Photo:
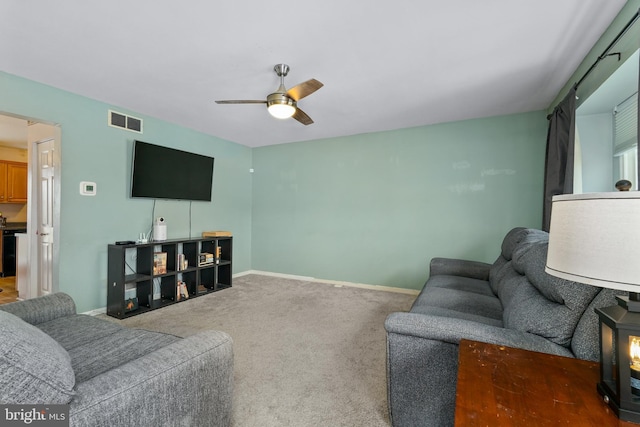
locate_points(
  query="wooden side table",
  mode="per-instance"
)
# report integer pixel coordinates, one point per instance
(503, 386)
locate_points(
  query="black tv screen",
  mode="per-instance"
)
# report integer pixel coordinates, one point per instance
(166, 173)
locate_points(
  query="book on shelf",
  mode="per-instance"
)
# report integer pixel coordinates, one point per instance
(183, 264)
(159, 262)
(182, 292)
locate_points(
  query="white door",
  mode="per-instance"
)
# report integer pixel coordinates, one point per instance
(45, 195)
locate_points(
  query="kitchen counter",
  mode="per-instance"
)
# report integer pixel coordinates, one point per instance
(15, 226)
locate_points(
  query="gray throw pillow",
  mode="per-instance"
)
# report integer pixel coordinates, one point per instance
(34, 368)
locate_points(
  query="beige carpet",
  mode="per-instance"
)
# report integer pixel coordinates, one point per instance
(306, 353)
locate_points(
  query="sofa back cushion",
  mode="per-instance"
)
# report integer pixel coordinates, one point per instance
(34, 368)
(502, 269)
(542, 304)
(585, 343)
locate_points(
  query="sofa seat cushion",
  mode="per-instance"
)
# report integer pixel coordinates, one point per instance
(461, 283)
(78, 329)
(452, 314)
(95, 358)
(97, 346)
(35, 368)
(459, 301)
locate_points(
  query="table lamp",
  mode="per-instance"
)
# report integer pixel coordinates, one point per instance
(595, 239)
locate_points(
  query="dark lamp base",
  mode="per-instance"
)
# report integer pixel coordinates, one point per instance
(623, 414)
(630, 303)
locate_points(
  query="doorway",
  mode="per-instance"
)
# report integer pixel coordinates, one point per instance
(35, 269)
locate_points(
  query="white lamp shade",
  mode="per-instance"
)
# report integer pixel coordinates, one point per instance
(595, 239)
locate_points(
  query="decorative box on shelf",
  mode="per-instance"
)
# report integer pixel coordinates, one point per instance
(216, 234)
(131, 304)
(205, 258)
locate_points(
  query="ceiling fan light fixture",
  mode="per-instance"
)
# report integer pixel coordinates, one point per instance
(281, 111)
(280, 106)
(282, 103)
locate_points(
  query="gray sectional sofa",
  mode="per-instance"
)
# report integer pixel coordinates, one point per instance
(111, 375)
(511, 302)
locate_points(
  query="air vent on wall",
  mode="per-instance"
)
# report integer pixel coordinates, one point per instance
(124, 121)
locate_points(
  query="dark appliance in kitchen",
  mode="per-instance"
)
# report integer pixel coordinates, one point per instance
(8, 248)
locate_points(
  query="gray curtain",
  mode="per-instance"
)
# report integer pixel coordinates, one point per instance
(558, 168)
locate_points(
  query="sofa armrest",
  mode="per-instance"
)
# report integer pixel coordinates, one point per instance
(422, 363)
(42, 309)
(189, 382)
(459, 267)
(452, 330)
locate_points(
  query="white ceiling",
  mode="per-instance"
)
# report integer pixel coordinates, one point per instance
(385, 65)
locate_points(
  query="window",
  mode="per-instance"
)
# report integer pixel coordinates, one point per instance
(625, 140)
(606, 129)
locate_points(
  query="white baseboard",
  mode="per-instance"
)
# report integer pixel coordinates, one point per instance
(96, 311)
(337, 283)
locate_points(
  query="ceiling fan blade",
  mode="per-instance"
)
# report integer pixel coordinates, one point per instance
(304, 89)
(302, 117)
(241, 101)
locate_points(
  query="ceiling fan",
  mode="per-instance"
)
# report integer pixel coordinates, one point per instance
(282, 103)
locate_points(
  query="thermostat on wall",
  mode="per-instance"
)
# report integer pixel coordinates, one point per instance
(88, 188)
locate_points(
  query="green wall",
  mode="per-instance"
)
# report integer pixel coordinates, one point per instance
(374, 208)
(93, 151)
(370, 208)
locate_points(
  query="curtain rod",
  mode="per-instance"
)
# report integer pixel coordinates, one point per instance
(606, 51)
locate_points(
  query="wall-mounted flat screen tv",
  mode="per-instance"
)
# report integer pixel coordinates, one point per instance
(167, 173)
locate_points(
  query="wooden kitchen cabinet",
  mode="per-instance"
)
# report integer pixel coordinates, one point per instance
(13, 182)
(3, 182)
(17, 182)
